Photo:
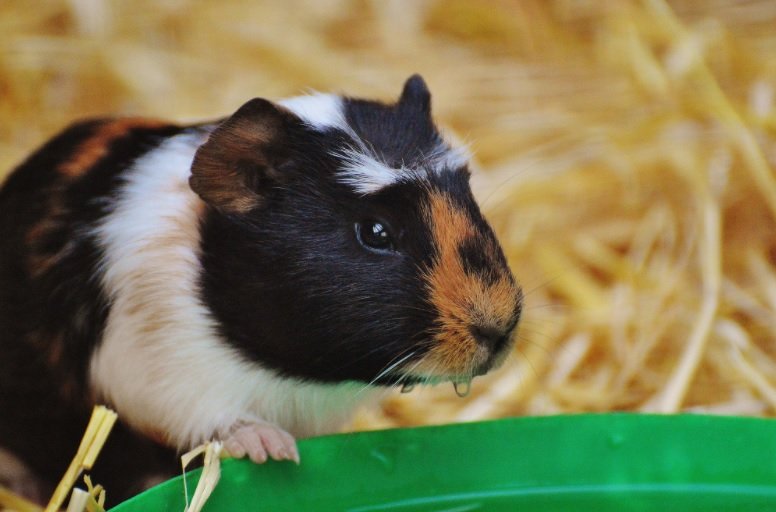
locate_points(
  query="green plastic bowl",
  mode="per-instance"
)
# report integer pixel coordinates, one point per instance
(571, 463)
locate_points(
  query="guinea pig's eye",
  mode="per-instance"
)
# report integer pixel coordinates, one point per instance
(374, 235)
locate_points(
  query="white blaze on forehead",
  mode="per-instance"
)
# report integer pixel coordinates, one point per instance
(362, 169)
(366, 174)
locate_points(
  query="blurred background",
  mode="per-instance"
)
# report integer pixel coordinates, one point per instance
(625, 154)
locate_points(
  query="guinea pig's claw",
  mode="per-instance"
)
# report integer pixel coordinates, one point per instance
(259, 440)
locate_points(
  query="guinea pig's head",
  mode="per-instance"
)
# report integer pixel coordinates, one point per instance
(342, 242)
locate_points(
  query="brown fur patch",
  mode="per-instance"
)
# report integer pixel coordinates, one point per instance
(463, 300)
(216, 175)
(41, 257)
(51, 346)
(237, 154)
(91, 150)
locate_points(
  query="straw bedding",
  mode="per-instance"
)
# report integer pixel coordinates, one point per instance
(626, 155)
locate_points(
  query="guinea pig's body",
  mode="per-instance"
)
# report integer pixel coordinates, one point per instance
(248, 280)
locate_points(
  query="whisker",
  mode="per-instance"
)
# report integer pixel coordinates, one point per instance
(525, 329)
(528, 360)
(391, 367)
(544, 284)
(534, 307)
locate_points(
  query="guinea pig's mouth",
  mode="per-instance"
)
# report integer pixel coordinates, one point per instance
(413, 373)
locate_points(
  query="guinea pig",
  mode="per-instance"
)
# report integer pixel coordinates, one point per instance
(250, 280)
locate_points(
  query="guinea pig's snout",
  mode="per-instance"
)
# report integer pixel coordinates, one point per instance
(492, 337)
(471, 290)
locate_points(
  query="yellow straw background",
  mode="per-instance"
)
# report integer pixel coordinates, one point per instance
(625, 156)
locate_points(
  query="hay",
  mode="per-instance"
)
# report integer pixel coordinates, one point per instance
(626, 151)
(208, 478)
(97, 430)
(11, 501)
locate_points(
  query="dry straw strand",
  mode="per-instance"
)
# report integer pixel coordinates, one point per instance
(100, 424)
(11, 501)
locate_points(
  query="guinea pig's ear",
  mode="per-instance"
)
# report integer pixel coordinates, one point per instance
(416, 95)
(240, 159)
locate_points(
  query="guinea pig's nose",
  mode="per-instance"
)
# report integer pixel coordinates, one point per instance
(492, 337)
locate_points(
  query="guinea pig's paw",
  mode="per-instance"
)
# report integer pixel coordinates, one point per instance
(258, 440)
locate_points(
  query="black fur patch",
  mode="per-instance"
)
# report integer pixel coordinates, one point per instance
(293, 288)
(398, 134)
(477, 261)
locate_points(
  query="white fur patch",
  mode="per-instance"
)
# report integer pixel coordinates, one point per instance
(318, 110)
(446, 157)
(365, 174)
(161, 363)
